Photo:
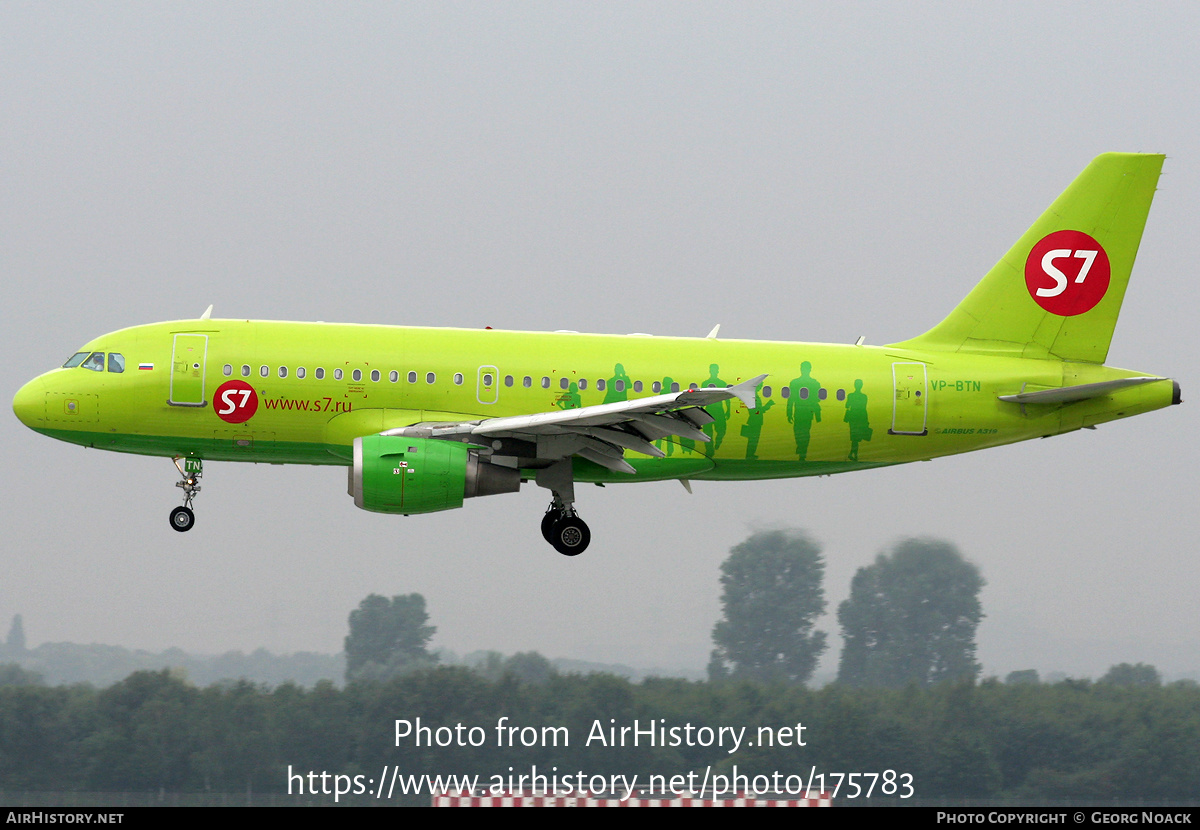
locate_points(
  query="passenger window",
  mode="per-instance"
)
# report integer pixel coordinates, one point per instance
(337, 374)
(656, 387)
(674, 387)
(75, 360)
(620, 385)
(227, 370)
(508, 380)
(116, 363)
(430, 378)
(822, 393)
(803, 393)
(265, 371)
(583, 383)
(412, 377)
(786, 391)
(319, 373)
(375, 375)
(283, 371)
(95, 362)
(458, 378)
(600, 385)
(697, 386)
(545, 383)
(841, 394)
(245, 370)
(393, 376)
(527, 382)
(637, 386)
(356, 374)
(487, 379)
(564, 383)
(300, 371)
(766, 391)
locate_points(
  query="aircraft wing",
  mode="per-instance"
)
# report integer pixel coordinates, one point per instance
(599, 433)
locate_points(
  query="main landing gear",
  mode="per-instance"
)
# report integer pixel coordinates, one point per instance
(192, 469)
(561, 527)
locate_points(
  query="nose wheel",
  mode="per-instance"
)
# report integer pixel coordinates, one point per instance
(182, 518)
(190, 472)
(563, 529)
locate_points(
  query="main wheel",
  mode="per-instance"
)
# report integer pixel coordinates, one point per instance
(548, 521)
(182, 518)
(570, 536)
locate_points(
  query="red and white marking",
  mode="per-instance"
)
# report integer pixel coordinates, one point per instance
(235, 401)
(1067, 273)
(524, 800)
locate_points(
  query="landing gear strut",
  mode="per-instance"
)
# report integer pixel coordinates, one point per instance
(182, 518)
(561, 526)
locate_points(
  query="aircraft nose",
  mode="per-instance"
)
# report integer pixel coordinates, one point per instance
(29, 404)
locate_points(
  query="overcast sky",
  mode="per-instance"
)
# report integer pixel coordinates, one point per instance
(791, 171)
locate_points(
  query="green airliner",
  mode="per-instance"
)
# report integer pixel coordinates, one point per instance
(424, 418)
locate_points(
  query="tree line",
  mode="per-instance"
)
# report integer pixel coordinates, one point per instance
(908, 699)
(155, 732)
(911, 617)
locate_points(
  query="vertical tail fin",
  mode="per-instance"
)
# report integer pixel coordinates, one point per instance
(1058, 290)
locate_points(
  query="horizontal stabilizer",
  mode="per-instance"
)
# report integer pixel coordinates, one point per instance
(1083, 392)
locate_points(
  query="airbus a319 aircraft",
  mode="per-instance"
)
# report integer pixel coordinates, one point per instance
(424, 418)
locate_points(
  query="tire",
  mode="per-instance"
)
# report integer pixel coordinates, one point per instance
(182, 519)
(571, 536)
(548, 525)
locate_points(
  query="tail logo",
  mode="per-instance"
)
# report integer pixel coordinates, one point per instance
(1067, 273)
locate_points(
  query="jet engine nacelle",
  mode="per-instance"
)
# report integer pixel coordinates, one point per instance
(395, 474)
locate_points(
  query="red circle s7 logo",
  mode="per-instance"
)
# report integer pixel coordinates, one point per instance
(235, 401)
(1067, 273)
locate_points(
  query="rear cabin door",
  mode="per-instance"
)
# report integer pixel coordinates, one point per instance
(911, 399)
(187, 370)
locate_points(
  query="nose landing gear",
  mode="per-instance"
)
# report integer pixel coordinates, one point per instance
(192, 469)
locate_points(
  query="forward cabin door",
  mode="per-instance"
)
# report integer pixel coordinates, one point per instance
(911, 405)
(187, 370)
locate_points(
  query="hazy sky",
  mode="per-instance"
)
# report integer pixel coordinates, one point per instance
(791, 171)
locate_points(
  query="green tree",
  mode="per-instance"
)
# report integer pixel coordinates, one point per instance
(911, 617)
(11, 674)
(1128, 675)
(1023, 677)
(771, 597)
(14, 645)
(388, 637)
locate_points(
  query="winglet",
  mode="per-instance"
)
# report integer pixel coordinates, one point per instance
(745, 390)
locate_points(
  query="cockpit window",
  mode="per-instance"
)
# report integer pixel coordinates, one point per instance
(75, 360)
(116, 362)
(95, 362)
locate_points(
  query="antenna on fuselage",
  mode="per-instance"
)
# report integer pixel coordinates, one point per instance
(207, 312)
(712, 335)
